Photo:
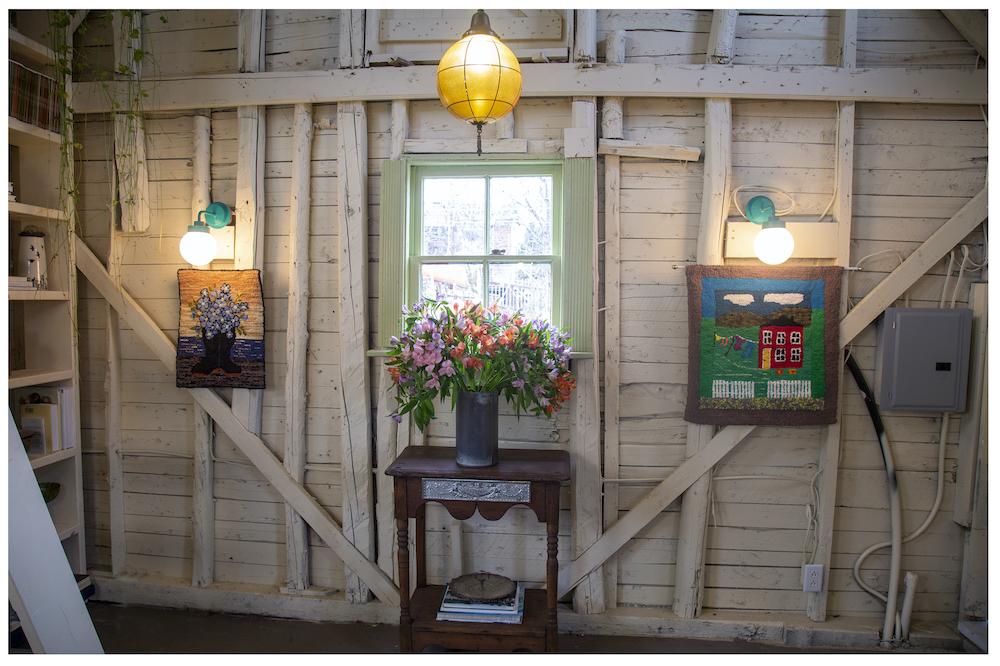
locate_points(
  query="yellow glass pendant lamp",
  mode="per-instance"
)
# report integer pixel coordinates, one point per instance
(478, 78)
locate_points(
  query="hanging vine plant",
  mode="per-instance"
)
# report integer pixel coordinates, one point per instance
(125, 83)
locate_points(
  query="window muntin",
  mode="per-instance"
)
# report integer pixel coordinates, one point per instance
(767, 337)
(487, 233)
(796, 354)
(779, 338)
(796, 337)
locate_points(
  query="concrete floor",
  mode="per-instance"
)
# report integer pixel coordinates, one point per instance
(129, 629)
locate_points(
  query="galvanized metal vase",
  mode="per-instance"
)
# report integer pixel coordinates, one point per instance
(476, 428)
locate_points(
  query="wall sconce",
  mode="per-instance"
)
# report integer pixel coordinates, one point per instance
(774, 243)
(198, 247)
(478, 78)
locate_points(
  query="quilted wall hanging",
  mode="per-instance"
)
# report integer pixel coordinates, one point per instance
(221, 329)
(763, 345)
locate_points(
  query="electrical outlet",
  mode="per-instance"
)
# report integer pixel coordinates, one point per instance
(812, 578)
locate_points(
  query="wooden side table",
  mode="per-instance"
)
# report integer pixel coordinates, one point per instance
(523, 476)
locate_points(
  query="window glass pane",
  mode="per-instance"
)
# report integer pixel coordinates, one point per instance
(454, 213)
(521, 215)
(452, 282)
(524, 287)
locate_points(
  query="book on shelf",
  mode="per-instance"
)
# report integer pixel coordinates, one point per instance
(32, 97)
(43, 422)
(58, 396)
(509, 610)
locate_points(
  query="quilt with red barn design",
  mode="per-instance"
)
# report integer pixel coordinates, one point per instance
(763, 345)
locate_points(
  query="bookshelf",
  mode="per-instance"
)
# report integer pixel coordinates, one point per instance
(42, 322)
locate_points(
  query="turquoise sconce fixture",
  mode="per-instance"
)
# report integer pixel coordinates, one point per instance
(774, 244)
(198, 247)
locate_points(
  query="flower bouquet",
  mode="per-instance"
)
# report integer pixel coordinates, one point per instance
(220, 318)
(448, 349)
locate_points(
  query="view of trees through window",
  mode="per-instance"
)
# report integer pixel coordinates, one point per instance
(498, 232)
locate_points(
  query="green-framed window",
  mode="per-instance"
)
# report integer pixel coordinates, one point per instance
(517, 232)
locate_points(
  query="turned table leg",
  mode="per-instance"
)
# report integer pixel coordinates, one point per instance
(552, 565)
(403, 557)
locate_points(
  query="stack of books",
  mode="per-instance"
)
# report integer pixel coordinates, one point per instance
(508, 610)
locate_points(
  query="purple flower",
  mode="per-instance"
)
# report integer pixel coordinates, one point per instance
(397, 417)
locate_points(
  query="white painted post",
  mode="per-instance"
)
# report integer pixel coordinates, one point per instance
(612, 127)
(585, 435)
(400, 128)
(202, 494)
(586, 36)
(249, 209)
(297, 344)
(355, 419)
(130, 134)
(829, 454)
(693, 528)
(352, 38)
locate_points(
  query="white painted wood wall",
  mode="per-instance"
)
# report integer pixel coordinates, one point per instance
(915, 165)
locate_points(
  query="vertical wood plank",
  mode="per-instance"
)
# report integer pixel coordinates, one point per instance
(722, 36)
(969, 434)
(400, 131)
(829, 453)
(352, 38)
(386, 433)
(113, 428)
(130, 132)
(693, 528)
(612, 127)
(355, 437)
(249, 207)
(585, 432)
(585, 50)
(297, 345)
(202, 494)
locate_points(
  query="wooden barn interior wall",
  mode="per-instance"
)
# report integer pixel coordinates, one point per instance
(915, 165)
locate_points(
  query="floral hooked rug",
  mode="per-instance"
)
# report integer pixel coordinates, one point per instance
(763, 345)
(221, 329)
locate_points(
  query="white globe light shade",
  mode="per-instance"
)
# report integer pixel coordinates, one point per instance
(198, 247)
(774, 245)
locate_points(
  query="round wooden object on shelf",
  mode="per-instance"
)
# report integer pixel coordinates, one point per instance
(483, 586)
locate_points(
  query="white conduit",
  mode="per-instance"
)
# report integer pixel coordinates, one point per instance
(893, 622)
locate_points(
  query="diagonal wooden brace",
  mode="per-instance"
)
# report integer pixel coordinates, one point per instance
(650, 506)
(252, 447)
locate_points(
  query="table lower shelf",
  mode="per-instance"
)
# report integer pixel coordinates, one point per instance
(482, 636)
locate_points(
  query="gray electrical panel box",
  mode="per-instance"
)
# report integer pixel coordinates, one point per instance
(922, 359)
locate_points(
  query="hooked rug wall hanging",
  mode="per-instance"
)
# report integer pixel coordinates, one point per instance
(221, 329)
(764, 345)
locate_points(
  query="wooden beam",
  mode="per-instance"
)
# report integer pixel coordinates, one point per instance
(355, 392)
(400, 128)
(250, 444)
(352, 38)
(585, 424)
(693, 526)
(113, 434)
(722, 36)
(130, 135)
(919, 262)
(297, 344)
(249, 207)
(655, 150)
(889, 84)
(438, 146)
(970, 434)
(829, 454)
(250, 44)
(585, 50)
(203, 491)
(613, 128)
(848, 38)
(972, 24)
(650, 506)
